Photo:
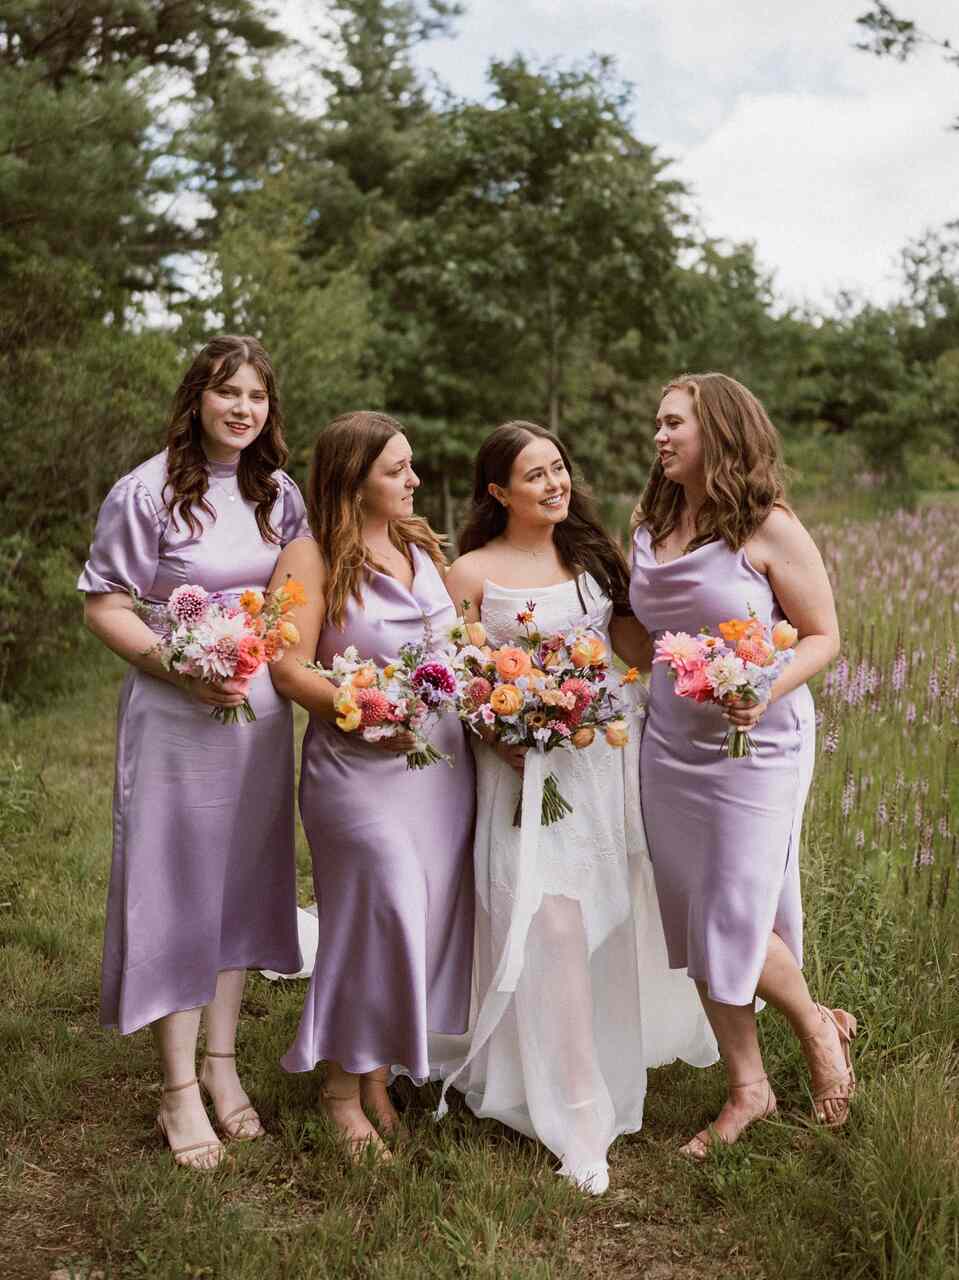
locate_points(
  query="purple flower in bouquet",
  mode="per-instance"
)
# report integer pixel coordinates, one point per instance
(434, 682)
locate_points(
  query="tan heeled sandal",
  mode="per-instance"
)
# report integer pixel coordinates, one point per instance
(846, 1026)
(697, 1148)
(357, 1146)
(237, 1123)
(193, 1155)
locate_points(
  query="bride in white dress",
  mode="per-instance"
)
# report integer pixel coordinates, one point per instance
(574, 995)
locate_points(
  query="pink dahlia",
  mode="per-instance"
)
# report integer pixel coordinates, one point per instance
(582, 692)
(188, 604)
(374, 706)
(478, 691)
(680, 650)
(693, 682)
(434, 682)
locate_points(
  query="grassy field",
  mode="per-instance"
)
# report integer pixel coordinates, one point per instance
(87, 1190)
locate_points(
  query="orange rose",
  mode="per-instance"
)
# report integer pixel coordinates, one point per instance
(288, 633)
(588, 651)
(512, 663)
(365, 678)
(583, 737)
(785, 635)
(506, 700)
(617, 733)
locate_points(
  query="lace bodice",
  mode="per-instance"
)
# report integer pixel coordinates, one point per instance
(557, 608)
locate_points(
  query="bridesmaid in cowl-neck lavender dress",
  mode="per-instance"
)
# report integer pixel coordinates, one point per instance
(203, 874)
(392, 847)
(714, 541)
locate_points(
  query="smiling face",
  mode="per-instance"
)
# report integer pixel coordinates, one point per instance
(539, 486)
(679, 438)
(233, 414)
(387, 492)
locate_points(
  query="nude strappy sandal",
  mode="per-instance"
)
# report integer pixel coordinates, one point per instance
(182, 1155)
(236, 1123)
(697, 1148)
(846, 1027)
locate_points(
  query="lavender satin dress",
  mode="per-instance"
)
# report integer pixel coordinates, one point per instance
(203, 873)
(723, 834)
(392, 863)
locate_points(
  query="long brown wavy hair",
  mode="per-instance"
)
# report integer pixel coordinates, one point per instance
(344, 452)
(188, 477)
(742, 458)
(581, 541)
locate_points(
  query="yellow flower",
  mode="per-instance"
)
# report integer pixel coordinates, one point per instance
(476, 633)
(617, 733)
(785, 635)
(588, 651)
(631, 676)
(506, 699)
(349, 718)
(288, 633)
(389, 671)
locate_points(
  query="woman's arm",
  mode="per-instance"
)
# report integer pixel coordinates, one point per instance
(464, 581)
(784, 551)
(631, 642)
(111, 618)
(301, 560)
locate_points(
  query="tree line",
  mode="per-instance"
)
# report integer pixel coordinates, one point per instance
(394, 245)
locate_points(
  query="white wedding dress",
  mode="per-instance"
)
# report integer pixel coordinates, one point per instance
(573, 995)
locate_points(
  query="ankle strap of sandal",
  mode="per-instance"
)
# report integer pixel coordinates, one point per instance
(175, 1088)
(209, 1053)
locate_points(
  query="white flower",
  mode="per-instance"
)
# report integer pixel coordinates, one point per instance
(725, 674)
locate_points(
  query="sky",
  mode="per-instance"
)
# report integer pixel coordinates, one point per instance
(828, 159)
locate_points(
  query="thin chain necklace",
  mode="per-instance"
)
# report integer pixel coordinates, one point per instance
(215, 482)
(525, 550)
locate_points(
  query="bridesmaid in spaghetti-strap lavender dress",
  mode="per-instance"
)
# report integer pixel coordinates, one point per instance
(392, 847)
(714, 540)
(202, 884)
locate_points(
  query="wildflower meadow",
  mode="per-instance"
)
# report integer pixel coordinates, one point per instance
(87, 1191)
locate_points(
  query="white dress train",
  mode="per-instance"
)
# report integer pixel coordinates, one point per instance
(574, 997)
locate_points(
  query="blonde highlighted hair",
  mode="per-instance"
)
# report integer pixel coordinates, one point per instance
(344, 453)
(742, 458)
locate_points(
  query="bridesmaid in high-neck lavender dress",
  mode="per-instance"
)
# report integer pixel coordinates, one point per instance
(202, 885)
(715, 539)
(391, 846)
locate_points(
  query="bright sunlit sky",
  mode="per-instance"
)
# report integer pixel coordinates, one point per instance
(828, 158)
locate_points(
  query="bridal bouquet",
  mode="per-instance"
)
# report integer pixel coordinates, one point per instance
(381, 702)
(743, 661)
(546, 692)
(204, 636)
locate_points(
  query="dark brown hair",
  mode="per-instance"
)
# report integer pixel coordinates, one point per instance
(742, 458)
(188, 477)
(581, 541)
(345, 451)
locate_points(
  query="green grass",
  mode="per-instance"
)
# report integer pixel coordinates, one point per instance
(86, 1186)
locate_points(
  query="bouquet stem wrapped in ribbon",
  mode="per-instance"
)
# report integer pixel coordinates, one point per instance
(205, 637)
(742, 663)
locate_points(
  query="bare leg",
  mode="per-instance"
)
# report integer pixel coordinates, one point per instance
(750, 1097)
(182, 1116)
(218, 1072)
(374, 1096)
(782, 984)
(341, 1101)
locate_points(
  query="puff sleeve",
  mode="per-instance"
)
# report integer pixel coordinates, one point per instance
(125, 551)
(294, 523)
